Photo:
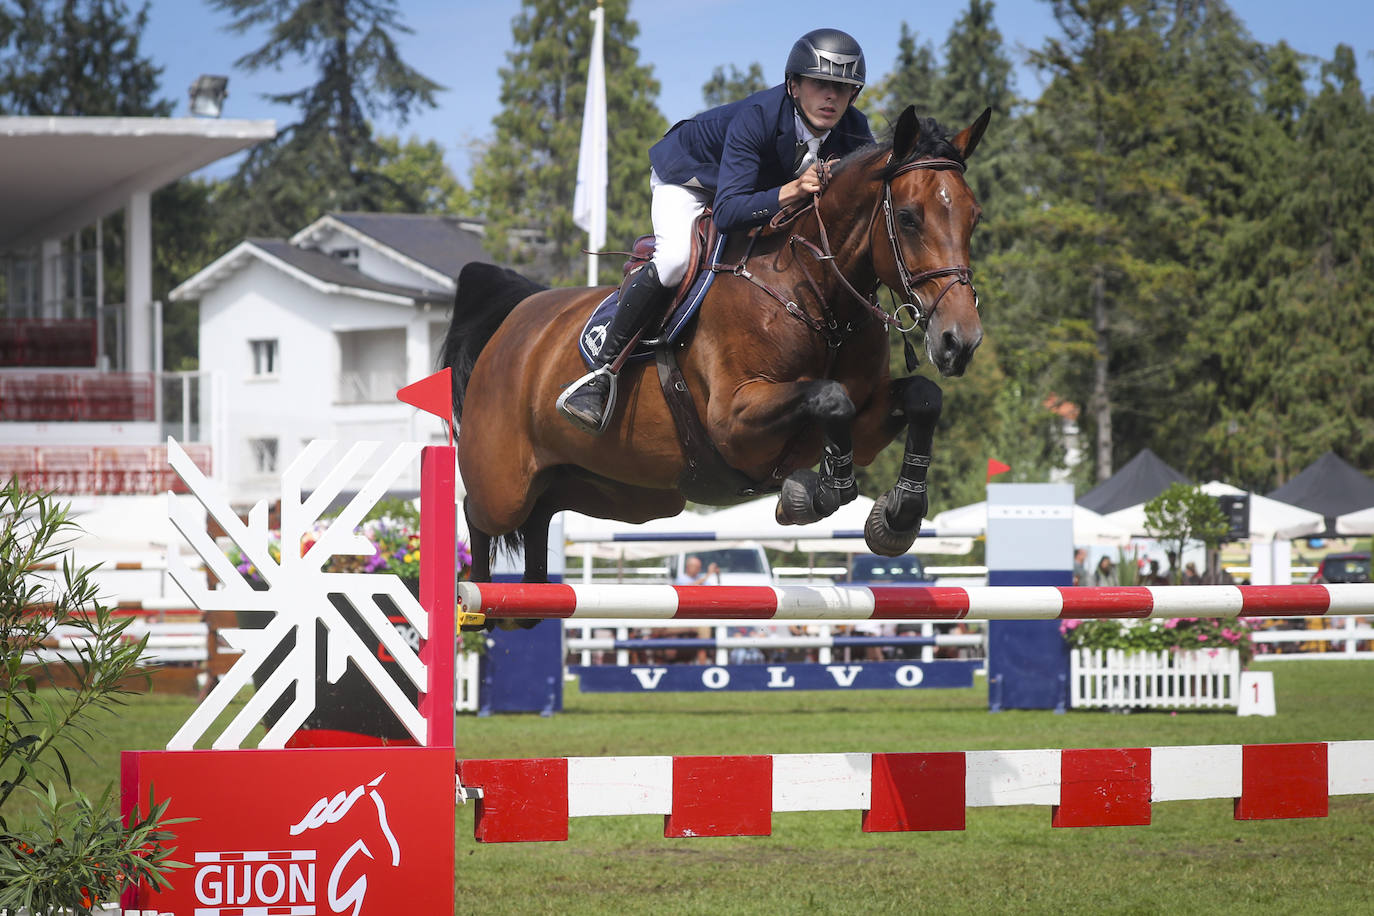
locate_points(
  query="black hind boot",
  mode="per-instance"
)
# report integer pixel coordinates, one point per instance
(589, 401)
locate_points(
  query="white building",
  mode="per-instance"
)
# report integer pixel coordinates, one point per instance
(311, 337)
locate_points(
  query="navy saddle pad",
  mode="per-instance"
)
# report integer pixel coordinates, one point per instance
(593, 335)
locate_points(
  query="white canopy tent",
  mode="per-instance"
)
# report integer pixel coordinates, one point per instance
(1269, 519)
(1361, 522)
(752, 522)
(1273, 526)
(1088, 526)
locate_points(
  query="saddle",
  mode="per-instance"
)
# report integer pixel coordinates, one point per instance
(691, 291)
(707, 477)
(704, 237)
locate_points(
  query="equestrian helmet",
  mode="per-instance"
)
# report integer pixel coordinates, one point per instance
(828, 54)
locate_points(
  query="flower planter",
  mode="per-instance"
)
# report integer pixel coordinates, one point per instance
(1116, 679)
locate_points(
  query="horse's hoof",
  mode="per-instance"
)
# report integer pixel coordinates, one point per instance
(795, 503)
(881, 537)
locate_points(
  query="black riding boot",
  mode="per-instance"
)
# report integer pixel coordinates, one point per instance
(588, 402)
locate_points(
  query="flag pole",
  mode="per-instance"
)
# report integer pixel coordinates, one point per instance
(589, 200)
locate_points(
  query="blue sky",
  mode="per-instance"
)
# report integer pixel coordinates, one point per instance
(463, 43)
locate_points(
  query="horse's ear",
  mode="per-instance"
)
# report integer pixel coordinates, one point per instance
(967, 140)
(905, 135)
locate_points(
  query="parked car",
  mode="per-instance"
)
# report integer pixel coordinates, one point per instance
(1343, 567)
(871, 569)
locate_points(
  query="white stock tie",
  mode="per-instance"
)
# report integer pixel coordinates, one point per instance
(813, 148)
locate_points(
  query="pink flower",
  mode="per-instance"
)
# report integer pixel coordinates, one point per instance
(1170, 624)
(1202, 637)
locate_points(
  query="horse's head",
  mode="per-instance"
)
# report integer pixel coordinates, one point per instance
(920, 245)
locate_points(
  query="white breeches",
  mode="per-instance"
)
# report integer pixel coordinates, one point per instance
(674, 211)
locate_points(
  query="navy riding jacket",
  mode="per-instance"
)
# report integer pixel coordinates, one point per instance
(745, 151)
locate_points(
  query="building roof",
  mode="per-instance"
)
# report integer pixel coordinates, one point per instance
(60, 174)
(435, 247)
(1141, 479)
(324, 272)
(442, 243)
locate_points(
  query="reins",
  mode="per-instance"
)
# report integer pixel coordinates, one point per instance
(828, 326)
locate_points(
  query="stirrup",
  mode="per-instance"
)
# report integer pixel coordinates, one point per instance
(561, 403)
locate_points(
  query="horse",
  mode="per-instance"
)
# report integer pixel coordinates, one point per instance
(787, 363)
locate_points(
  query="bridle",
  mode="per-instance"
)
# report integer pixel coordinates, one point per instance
(828, 326)
(961, 274)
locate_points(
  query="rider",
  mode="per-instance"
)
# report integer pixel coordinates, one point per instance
(746, 160)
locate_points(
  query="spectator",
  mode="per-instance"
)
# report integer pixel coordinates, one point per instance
(1080, 566)
(692, 575)
(1105, 573)
(1190, 575)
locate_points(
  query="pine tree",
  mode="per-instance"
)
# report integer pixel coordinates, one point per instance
(1303, 384)
(525, 178)
(725, 87)
(998, 409)
(914, 80)
(329, 159)
(1089, 277)
(76, 57)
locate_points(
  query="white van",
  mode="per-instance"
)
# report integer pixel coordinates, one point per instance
(745, 564)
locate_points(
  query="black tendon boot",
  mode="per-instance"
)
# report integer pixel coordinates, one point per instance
(588, 402)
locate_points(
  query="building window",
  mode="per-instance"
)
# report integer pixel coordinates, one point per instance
(348, 255)
(264, 455)
(264, 356)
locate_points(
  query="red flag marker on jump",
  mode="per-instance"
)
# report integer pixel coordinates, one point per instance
(433, 394)
(996, 467)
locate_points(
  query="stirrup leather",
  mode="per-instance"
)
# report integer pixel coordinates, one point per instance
(561, 403)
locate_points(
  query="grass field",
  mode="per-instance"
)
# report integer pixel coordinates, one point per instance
(1193, 859)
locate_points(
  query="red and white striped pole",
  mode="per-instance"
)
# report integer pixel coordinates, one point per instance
(797, 602)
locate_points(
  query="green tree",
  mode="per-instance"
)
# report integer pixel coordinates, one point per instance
(977, 71)
(76, 57)
(525, 177)
(1088, 273)
(329, 159)
(999, 409)
(913, 81)
(419, 167)
(1183, 514)
(60, 849)
(1301, 387)
(725, 87)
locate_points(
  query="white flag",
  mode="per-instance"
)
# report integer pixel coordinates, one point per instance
(589, 200)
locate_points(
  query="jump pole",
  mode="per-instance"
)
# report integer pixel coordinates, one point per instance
(799, 602)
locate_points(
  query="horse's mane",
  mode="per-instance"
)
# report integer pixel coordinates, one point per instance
(934, 142)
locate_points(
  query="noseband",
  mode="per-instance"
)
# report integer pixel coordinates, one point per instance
(961, 274)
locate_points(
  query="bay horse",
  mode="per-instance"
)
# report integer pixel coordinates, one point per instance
(787, 364)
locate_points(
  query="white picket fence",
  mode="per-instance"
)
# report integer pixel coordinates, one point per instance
(1116, 679)
(467, 681)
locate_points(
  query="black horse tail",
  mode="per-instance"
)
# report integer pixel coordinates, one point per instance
(486, 295)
